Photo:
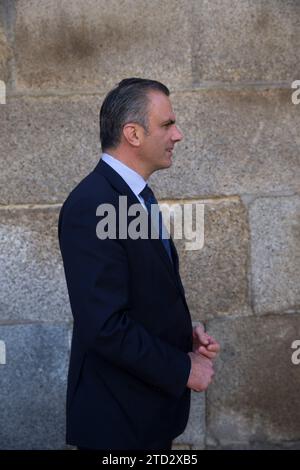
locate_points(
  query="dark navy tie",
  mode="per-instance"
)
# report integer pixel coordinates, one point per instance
(149, 198)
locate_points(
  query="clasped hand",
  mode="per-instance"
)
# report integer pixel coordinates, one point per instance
(204, 344)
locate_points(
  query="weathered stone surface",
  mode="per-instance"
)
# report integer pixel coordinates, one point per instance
(33, 386)
(254, 399)
(246, 40)
(180, 447)
(275, 249)
(257, 446)
(32, 280)
(194, 433)
(3, 55)
(235, 142)
(47, 147)
(5, 49)
(94, 44)
(215, 276)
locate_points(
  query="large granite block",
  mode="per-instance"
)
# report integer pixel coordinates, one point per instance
(235, 142)
(275, 254)
(254, 399)
(32, 282)
(245, 40)
(5, 49)
(216, 276)
(33, 386)
(92, 45)
(47, 147)
(194, 434)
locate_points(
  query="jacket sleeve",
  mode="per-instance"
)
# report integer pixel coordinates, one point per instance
(97, 275)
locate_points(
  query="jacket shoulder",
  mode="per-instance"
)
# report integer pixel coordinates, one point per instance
(84, 199)
(93, 189)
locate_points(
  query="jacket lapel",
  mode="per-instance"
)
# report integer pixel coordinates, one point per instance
(123, 189)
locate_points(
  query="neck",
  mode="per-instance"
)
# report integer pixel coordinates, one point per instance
(130, 160)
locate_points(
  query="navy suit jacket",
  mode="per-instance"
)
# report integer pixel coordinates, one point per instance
(132, 328)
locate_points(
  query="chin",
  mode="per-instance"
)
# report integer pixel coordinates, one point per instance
(165, 166)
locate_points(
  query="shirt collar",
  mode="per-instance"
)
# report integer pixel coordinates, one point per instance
(135, 181)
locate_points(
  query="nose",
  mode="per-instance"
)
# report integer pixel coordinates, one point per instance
(177, 135)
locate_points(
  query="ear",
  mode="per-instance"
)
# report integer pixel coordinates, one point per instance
(133, 134)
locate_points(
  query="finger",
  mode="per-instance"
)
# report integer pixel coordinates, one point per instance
(195, 333)
(209, 354)
(215, 347)
(203, 338)
(212, 340)
(199, 329)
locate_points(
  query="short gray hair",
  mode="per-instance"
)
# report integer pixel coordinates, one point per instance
(127, 102)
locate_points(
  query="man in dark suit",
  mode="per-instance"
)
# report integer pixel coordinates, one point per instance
(135, 355)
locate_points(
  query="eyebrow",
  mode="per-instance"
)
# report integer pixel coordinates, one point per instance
(169, 121)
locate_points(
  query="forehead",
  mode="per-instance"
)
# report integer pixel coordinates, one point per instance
(160, 107)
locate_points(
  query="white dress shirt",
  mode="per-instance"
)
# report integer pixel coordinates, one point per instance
(135, 181)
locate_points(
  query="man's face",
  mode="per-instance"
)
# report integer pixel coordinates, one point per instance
(157, 145)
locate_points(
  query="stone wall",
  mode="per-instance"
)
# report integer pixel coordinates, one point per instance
(230, 65)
